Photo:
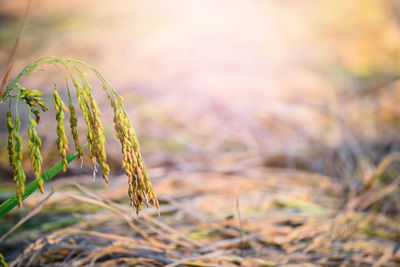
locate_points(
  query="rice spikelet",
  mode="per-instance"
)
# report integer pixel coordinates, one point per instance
(32, 98)
(19, 174)
(140, 189)
(73, 120)
(34, 145)
(62, 141)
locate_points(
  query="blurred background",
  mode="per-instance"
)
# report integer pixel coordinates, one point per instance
(228, 98)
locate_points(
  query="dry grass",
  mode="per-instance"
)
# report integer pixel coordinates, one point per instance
(287, 218)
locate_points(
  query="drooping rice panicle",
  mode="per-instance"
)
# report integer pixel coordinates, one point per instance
(83, 102)
(11, 144)
(19, 174)
(73, 120)
(140, 190)
(15, 154)
(32, 98)
(34, 145)
(62, 140)
(99, 141)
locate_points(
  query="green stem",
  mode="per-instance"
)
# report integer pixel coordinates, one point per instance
(26, 70)
(12, 202)
(2, 261)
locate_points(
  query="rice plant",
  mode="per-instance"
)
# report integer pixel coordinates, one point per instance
(140, 190)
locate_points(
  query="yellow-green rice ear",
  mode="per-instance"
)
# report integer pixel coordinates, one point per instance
(62, 140)
(34, 149)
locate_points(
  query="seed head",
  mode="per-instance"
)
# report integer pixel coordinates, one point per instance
(95, 137)
(19, 174)
(34, 149)
(11, 145)
(140, 189)
(73, 120)
(62, 141)
(32, 98)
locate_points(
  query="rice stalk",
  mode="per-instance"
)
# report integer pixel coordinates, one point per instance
(139, 186)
